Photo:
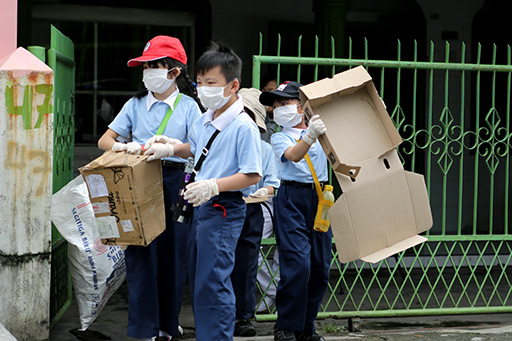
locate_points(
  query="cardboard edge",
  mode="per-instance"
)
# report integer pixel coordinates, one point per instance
(394, 249)
(420, 201)
(336, 213)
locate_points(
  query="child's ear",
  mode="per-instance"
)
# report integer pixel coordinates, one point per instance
(235, 86)
(175, 73)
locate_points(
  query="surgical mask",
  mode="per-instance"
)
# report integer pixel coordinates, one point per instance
(156, 80)
(287, 116)
(212, 97)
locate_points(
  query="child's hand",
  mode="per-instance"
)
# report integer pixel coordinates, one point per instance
(119, 147)
(201, 191)
(133, 148)
(262, 192)
(159, 151)
(161, 139)
(315, 129)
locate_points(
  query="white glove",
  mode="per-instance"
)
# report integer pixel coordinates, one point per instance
(119, 147)
(199, 192)
(262, 192)
(315, 129)
(159, 151)
(161, 139)
(133, 148)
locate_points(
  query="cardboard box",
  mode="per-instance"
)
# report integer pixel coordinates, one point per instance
(383, 207)
(127, 196)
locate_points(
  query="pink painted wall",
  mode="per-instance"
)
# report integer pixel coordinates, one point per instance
(8, 27)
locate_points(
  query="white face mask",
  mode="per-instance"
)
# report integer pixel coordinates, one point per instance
(156, 80)
(212, 97)
(287, 116)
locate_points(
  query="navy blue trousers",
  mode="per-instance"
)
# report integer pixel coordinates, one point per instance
(157, 273)
(215, 231)
(304, 258)
(244, 274)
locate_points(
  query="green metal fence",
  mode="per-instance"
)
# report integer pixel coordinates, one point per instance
(454, 118)
(61, 60)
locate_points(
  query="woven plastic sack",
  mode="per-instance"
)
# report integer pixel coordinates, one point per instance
(96, 270)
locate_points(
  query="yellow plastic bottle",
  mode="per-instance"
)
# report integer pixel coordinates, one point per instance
(322, 222)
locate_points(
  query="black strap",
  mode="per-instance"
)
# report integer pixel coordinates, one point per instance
(204, 152)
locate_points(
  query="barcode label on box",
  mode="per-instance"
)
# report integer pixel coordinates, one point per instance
(107, 227)
(127, 225)
(100, 207)
(97, 185)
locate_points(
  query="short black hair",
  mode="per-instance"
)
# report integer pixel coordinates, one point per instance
(223, 56)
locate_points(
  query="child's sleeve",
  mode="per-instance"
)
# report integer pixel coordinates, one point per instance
(194, 134)
(123, 122)
(249, 151)
(269, 166)
(280, 143)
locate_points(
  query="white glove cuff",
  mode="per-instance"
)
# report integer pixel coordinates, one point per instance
(309, 140)
(170, 149)
(118, 147)
(214, 186)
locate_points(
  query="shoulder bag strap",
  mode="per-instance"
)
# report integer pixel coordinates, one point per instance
(167, 116)
(204, 152)
(315, 178)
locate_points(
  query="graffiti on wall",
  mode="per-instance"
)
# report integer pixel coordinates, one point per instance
(25, 110)
(20, 154)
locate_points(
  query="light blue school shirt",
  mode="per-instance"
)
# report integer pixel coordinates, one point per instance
(298, 171)
(269, 168)
(236, 149)
(142, 117)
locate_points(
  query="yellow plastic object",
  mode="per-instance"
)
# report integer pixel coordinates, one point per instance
(322, 222)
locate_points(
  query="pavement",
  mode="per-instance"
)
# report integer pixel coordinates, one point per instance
(111, 324)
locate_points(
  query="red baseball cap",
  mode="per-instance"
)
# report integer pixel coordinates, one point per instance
(161, 47)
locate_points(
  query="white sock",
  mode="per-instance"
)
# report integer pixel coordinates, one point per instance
(162, 333)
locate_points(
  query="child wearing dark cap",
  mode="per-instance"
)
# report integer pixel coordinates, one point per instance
(304, 254)
(156, 274)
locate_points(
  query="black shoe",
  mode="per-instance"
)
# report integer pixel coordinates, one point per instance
(302, 336)
(244, 328)
(283, 335)
(162, 338)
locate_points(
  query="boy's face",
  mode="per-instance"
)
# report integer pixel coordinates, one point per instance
(215, 78)
(282, 101)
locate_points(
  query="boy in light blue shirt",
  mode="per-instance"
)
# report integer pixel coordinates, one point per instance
(232, 164)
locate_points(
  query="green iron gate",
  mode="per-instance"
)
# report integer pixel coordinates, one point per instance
(61, 60)
(454, 118)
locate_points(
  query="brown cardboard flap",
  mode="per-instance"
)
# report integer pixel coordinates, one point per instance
(326, 89)
(420, 201)
(374, 216)
(253, 200)
(393, 249)
(115, 159)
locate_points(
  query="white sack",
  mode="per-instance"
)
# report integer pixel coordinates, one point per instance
(96, 270)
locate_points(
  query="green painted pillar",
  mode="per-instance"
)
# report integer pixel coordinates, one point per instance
(330, 19)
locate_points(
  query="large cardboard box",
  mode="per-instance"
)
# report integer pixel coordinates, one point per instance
(127, 197)
(383, 207)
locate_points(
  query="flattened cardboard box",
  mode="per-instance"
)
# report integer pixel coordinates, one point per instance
(383, 208)
(127, 197)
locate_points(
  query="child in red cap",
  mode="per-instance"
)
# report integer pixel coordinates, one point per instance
(156, 274)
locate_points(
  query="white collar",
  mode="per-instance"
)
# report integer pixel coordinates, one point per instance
(293, 132)
(150, 99)
(226, 117)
